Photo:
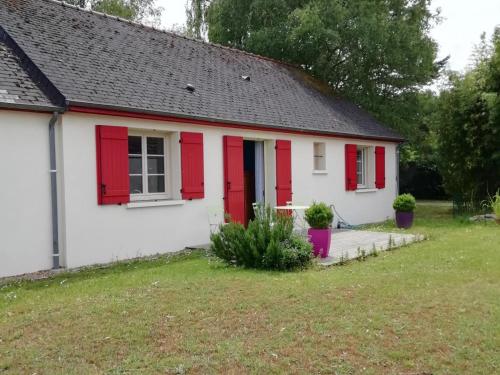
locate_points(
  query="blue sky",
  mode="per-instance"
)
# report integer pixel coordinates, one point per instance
(462, 24)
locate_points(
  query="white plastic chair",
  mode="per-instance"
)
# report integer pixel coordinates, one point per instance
(215, 217)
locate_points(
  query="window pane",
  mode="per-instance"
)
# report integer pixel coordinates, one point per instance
(319, 156)
(156, 184)
(155, 146)
(359, 167)
(156, 165)
(134, 145)
(135, 184)
(134, 165)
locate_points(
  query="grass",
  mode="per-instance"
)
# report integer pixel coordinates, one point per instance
(432, 307)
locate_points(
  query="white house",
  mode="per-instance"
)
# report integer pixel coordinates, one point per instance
(119, 140)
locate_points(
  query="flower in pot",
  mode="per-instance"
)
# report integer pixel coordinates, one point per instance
(404, 205)
(319, 217)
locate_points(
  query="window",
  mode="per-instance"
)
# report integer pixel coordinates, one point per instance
(361, 167)
(319, 156)
(148, 170)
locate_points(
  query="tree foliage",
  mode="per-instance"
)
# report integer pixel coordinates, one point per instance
(196, 11)
(135, 10)
(468, 126)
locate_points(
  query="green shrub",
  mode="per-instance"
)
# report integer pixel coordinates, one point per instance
(267, 243)
(493, 203)
(319, 216)
(404, 203)
(229, 241)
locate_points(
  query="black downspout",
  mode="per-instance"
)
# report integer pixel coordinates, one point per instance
(53, 191)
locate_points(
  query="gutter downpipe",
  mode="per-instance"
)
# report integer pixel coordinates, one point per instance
(53, 191)
(398, 158)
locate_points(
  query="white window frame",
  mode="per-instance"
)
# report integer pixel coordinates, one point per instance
(319, 156)
(145, 195)
(363, 165)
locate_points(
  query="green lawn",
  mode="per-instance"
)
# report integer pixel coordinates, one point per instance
(432, 307)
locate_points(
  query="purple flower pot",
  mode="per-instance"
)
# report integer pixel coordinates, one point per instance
(320, 239)
(404, 219)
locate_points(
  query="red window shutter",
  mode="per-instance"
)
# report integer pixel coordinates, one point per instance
(234, 184)
(351, 180)
(380, 167)
(112, 165)
(193, 183)
(283, 172)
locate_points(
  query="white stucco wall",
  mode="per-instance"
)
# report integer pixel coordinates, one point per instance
(97, 234)
(25, 218)
(91, 234)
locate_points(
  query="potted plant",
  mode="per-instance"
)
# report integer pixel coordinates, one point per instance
(404, 205)
(319, 217)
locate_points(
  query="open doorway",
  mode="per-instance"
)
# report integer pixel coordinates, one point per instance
(253, 162)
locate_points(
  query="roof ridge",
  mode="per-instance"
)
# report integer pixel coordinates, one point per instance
(174, 34)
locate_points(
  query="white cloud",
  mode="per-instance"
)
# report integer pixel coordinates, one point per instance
(174, 12)
(462, 25)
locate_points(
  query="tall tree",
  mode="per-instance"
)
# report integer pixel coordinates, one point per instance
(196, 12)
(469, 126)
(135, 10)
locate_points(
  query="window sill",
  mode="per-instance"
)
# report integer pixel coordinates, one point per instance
(320, 172)
(140, 204)
(365, 190)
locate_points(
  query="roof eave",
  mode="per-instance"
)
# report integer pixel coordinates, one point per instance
(30, 107)
(113, 110)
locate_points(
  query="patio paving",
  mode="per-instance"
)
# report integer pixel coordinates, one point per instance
(350, 244)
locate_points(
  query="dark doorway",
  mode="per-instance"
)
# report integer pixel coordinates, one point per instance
(249, 168)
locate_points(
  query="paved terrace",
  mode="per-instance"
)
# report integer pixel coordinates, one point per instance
(352, 244)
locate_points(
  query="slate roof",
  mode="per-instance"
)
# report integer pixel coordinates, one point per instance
(101, 61)
(17, 88)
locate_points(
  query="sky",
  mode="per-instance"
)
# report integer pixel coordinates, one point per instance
(463, 22)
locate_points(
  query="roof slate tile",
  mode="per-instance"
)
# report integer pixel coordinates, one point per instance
(16, 86)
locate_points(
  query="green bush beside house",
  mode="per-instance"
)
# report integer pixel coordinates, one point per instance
(268, 243)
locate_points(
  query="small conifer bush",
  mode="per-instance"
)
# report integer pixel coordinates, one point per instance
(267, 243)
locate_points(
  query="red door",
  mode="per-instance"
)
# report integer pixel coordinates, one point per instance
(283, 172)
(234, 182)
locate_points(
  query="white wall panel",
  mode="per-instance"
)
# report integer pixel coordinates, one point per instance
(25, 218)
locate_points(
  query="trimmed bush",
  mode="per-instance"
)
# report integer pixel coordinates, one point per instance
(404, 203)
(267, 243)
(319, 216)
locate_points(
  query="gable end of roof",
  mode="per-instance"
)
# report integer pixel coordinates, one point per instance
(36, 75)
